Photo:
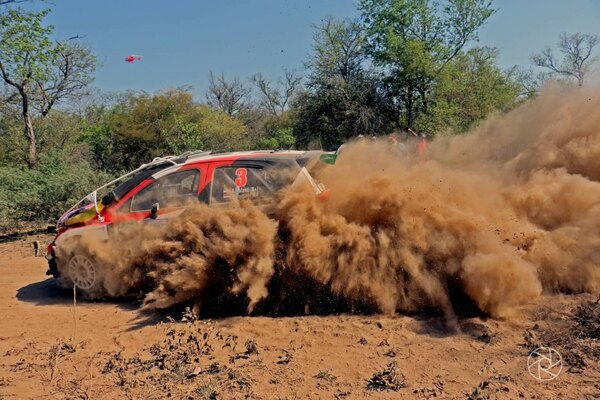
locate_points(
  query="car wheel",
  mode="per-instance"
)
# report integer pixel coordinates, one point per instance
(86, 274)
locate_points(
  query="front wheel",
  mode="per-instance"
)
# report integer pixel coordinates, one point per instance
(82, 272)
(85, 274)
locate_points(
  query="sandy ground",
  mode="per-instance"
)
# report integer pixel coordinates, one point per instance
(49, 349)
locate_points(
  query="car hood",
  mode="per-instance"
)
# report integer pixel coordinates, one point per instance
(80, 215)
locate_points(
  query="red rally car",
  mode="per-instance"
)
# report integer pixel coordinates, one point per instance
(160, 190)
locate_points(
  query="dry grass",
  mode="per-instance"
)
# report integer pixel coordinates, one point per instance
(388, 379)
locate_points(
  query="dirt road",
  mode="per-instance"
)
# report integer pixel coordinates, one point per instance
(50, 349)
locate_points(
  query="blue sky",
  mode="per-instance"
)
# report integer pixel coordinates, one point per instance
(181, 40)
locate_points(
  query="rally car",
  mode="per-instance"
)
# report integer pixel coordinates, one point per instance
(161, 189)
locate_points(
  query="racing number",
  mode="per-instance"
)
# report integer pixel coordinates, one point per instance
(242, 179)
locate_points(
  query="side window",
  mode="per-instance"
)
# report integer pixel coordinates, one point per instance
(244, 182)
(171, 190)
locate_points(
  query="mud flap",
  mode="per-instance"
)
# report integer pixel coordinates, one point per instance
(52, 267)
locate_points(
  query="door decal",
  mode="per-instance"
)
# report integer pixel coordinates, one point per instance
(241, 177)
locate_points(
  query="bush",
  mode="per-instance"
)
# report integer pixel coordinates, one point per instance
(35, 197)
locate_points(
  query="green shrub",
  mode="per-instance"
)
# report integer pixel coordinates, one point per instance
(34, 197)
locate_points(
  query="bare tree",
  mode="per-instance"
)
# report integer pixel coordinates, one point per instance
(7, 2)
(576, 49)
(229, 97)
(529, 82)
(69, 79)
(275, 97)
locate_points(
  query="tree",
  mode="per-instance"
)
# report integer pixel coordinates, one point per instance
(277, 133)
(470, 88)
(221, 132)
(576, 49)
(529, 81)
(414, 40)
(338, 51)
(342, 98)
(69, 77)
(275, 98)
(229, 97)
(38, 72)
(334, 113)
(139, 127)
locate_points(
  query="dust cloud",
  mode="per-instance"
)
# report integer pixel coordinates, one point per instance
(486, 220)
(204, 248)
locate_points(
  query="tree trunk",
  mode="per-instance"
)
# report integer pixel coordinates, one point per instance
(32, 151)
(29, 133)
(409, 108)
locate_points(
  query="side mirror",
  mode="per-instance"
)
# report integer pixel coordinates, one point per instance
(154, 211)
(108, 199)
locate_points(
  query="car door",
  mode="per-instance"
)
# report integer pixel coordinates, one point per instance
(170, 193)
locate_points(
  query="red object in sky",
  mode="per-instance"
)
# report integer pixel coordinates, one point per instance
(132, 58)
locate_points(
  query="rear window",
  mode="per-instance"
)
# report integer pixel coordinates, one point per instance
(246, 183)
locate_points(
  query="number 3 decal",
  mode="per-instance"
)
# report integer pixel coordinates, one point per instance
(241, 179)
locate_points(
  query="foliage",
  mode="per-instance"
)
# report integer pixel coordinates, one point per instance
(26, 51)
(469, 89)
(220, 132)
(141, 127)
(414, 40)
(59, 132)
(337, 111)
(278, 133)
(12, 141)
(338, 51)
(342, 99)
(41, 195)
(38, 72)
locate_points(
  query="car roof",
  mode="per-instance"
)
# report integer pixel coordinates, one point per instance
(282, 158)
(300, 156)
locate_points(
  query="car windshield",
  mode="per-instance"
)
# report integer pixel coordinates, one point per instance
(132, 182)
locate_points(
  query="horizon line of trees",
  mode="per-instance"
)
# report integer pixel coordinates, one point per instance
(402, 64)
